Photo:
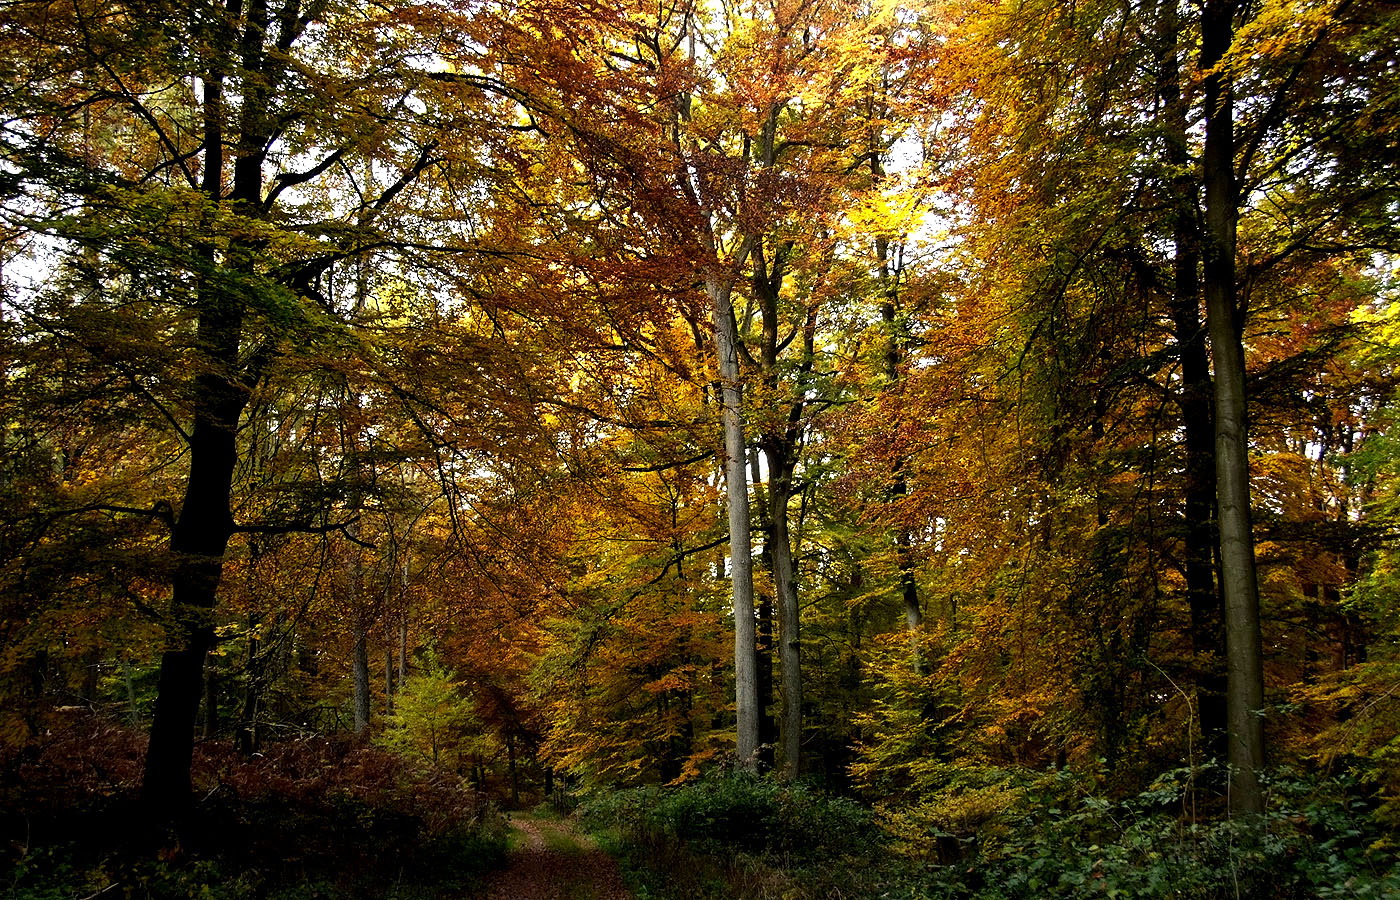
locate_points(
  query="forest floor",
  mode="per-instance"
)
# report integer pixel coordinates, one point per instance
(550, 860)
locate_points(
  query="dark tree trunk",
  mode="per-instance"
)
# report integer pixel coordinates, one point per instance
(198, 542)
(1239, 579)
(248, 725)
(403, 644)
(781, 448)
(201, 532)
(389, 674)
(767, 721)
(899, 485)
(1198, 537)
(785, 579)
(200, 538)
(511, 768)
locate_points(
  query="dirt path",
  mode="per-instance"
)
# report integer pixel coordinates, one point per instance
(556, 863)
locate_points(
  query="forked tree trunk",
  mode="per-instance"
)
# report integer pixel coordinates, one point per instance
(1198, 428)
(763, 603)
(781, 448)
(201, 532)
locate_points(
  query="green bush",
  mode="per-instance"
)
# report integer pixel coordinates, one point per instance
(1007, 835)
(739, 812)
(1318, 840)
(737, 835)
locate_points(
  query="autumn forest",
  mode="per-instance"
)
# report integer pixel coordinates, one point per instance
(822, 448)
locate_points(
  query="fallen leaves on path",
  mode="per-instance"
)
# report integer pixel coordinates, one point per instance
(556, 863)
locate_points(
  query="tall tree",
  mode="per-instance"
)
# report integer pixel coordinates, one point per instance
(701, 118)
(210, 153)
(1238, 579)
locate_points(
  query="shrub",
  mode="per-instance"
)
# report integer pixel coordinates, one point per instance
(1318, 840)
(1002, 835)
(740, 812)
(309, 817)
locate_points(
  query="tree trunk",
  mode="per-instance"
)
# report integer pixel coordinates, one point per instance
(200, 536)
(511, 768)
(784, 580)
(767, 722)
(1239, 580)
(198, 541)
(781, 448)
(360, 667)
(899, 486)
(1198, 427)
(403, 640)
(248, 727)
(133, 714)
(740, 545)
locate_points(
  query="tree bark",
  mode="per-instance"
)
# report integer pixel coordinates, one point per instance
(200, 536)
(198, 541)
(511, 768)
(785, 581)
(248, 726)
(1239, 580)
(211, 703)
(767, 722)
(736, 483)
(403, 632)
(781, 447)
(1198, 428)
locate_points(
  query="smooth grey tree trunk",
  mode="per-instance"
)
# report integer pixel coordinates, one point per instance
(736, 484)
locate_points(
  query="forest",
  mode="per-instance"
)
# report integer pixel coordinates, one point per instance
(823, 448)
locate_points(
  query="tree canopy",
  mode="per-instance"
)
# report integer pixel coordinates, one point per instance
(899, 395)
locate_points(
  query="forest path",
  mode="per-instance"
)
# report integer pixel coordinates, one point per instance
(556, 862)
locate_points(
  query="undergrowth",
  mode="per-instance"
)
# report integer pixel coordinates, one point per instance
(308, 818)
(1007, 835)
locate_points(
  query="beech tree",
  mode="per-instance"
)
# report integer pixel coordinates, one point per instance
(206, 162)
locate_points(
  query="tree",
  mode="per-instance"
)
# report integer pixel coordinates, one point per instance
(433, 719)
(205, 161)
